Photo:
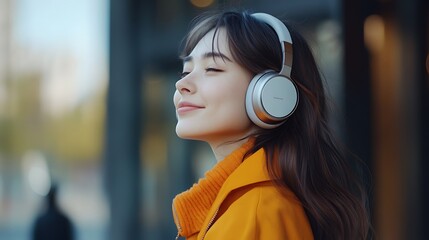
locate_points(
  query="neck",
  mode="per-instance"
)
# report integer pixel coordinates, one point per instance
(223, 149)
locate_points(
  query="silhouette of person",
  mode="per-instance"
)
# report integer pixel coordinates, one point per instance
(52, 224)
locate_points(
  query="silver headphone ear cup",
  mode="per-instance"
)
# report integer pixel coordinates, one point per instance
(279, 97)
(249, 104)
(270, 99)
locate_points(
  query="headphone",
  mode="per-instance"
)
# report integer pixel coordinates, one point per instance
(272, 97)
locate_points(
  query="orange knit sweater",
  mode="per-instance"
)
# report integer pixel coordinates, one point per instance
(191, 207)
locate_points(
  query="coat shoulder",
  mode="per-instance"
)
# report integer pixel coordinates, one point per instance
(260, 211)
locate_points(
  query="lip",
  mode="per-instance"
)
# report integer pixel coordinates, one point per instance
(184, 107)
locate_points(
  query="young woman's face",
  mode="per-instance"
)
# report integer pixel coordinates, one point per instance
(210, 96)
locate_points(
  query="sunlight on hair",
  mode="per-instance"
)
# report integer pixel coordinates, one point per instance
(374, 33)
(202, 3)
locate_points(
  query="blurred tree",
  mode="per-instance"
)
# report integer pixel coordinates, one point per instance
(22, 123)
(77, 135)
(74, 136)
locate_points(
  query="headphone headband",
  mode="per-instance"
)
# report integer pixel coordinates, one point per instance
(272, 97)
(284, 38)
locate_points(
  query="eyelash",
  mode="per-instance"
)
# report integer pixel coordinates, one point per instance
(214, 70)
(183, 74)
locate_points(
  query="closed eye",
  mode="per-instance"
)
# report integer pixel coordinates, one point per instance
(183, 74)
(213, 70)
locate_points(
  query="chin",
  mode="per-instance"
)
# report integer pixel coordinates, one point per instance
(185, 133)
(191, 133)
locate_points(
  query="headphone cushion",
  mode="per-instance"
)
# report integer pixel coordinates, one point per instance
(270, 99)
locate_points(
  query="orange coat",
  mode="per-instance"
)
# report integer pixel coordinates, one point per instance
(249, 206)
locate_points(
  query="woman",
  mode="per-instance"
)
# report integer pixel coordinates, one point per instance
(280, 174)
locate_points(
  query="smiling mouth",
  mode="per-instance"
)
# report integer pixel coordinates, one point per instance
(185, 107)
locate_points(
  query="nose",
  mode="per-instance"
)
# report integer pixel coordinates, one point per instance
(185, 86)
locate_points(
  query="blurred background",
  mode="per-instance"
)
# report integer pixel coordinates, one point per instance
(86, 104)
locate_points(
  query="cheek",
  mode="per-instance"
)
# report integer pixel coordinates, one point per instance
(231, 103)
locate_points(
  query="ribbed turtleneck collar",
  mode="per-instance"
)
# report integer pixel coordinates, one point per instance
(190, 208)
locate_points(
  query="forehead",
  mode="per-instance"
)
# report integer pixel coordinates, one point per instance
(213, 41)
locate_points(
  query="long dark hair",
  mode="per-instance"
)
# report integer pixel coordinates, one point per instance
(302, 153)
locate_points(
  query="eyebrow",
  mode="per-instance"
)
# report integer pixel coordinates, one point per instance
(207, 55)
